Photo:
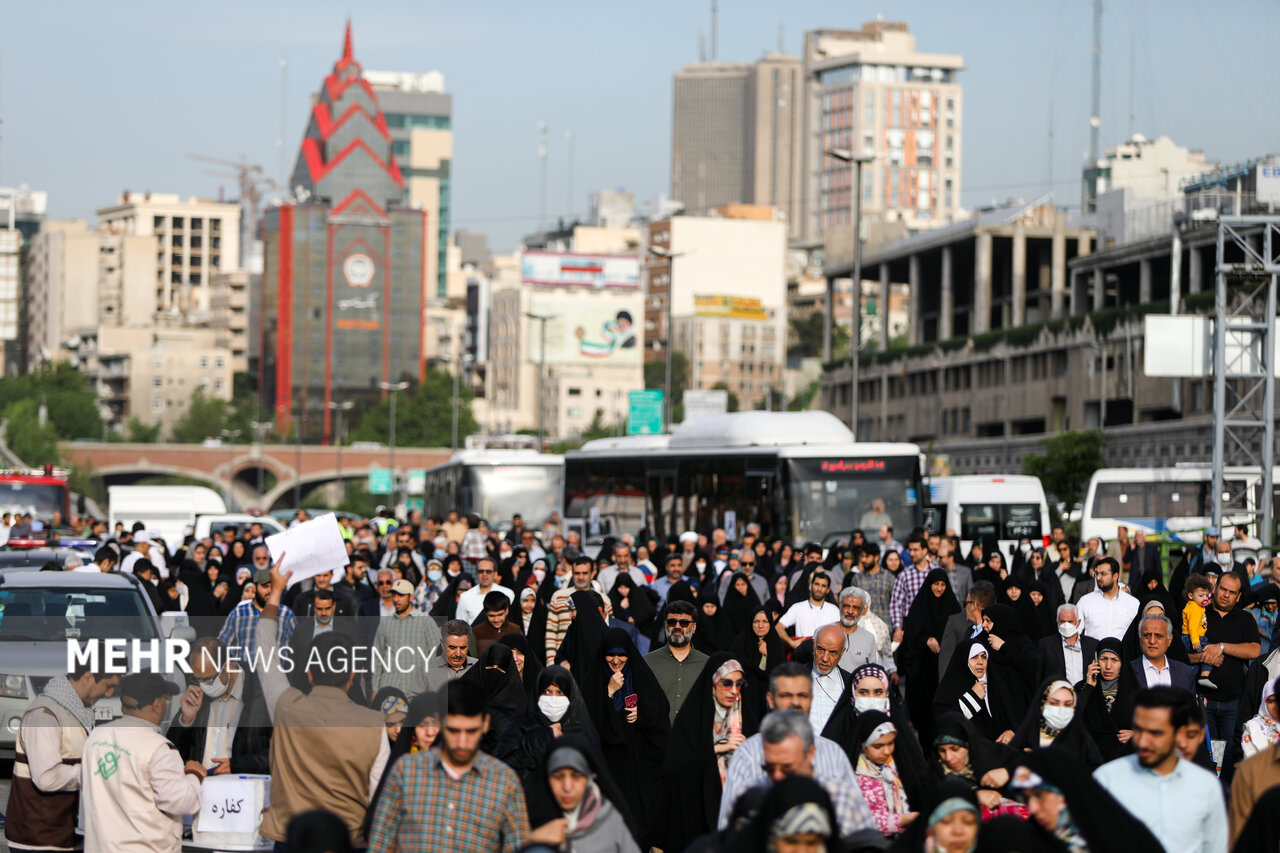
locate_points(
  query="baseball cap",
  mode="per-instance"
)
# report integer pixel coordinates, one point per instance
(402, 587)
(142, 688)
(142, 536)
(262, 576)
(1212, 530)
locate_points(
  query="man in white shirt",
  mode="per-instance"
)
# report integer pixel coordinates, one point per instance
(1155, 668)
(1064, 654)
(859, 643)
(471, 602)
(1108, 610)
(608, 576)
(141, 551)
(104, 560)
(806, 617)
(828, 678)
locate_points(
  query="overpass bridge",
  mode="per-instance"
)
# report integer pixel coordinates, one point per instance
(235, 469)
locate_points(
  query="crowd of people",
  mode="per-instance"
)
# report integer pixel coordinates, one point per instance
(702, 693)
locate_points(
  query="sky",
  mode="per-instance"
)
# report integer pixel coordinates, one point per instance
(99, 98)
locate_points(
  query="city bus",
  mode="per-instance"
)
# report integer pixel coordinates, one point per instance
(799, 475)
(1004, 507)
(496, 483)
(1173, 503)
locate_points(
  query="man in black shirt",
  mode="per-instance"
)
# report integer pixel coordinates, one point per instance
(1231, 641)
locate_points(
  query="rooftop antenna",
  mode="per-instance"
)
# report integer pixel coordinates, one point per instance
(542, 154)
(713, 30)
(1131, 119)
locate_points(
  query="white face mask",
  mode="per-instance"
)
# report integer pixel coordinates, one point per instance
(862, 704)
(1058, 716)
(1224, 560)
(553, 707)
(213, 689)
(1068, 629)
(1026, 547)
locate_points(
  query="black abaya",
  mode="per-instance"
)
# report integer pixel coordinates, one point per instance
(503, 690)
(1074, 739)
(925, 620)
(583, 636)
(745, 649)
(1103, 724)
(523, 742)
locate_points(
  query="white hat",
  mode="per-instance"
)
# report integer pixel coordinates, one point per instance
(688, 536)
(142, 537)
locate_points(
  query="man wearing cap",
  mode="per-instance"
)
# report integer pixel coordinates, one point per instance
(141, 551)
(1205, 556)
(239, 632)
(45, 793)
(130, 768)
(401, 643)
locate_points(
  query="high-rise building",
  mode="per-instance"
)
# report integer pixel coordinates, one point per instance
(418, 112)
(344, 282)
(869, 91)
(21, 213)
(193, 240)
(736, 135)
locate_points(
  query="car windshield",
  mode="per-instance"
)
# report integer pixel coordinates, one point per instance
(53, 615)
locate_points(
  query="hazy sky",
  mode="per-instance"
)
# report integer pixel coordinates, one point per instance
(97, 98)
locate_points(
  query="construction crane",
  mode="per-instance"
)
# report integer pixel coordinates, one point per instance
(253, 181)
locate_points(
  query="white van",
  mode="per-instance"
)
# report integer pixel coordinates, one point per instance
(1008, 507)
(168, 510)
(213, 525)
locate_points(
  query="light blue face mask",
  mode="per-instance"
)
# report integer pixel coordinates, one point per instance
(439, 554)
(433, 575)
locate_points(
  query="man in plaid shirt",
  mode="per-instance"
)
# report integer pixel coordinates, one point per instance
(240, 632)
(909, 581)
(452, 797)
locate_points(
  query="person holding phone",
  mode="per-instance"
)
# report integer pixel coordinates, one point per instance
(213, 725)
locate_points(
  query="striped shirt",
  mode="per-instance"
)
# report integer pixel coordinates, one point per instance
(879, 586)
(404, 642)
(240, 631)
(559, 618)
(909, 581)
(423, 807)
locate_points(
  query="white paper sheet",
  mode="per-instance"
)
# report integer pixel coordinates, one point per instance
(310, 548)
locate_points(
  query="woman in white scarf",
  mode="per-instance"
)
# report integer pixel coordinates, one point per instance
(1264, 729)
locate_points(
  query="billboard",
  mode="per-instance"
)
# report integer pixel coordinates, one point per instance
(566, 269)
(602, 330)
(729, 307)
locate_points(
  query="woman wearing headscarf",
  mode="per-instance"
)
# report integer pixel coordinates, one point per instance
(877, 773)
(394, 707)
(1264, 729)
(531, 615)
(994, 570)
(948, 823)
(584, 634)
(870, 689)
(959, 751)
(1072, 811)
(966, 687)
(528, 663)
(759, 649)
(713, 634)
(796, 814)
(1015, 659)
(200, 600)
(740, 602)
(631, 714)
(571, 790)
(418, 733)
(918, 655)
(1046, 616)
(1015, 595)
(712, 723)
(1053, 722)
(446, 606)
(552, 709)
(497, 675)
(635, 605)
(1106, 695)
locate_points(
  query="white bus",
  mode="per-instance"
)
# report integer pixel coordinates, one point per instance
(1174, 503)
(1004, 507)
(497, 484)
(799, 475)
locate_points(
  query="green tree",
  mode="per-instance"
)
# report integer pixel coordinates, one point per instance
(35, 443)
(424, 414)
(139, 433)
(1068, 461)
(655, 373)
(734, 403)
(70, 411)
(808, 332)
(206, 417)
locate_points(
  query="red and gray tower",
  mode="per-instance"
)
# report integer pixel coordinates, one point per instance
(344, 284)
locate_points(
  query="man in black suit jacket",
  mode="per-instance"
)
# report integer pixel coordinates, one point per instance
(223, 688)
(1054, 649)
(1155, 633)
(960, 625)
(1143, 557)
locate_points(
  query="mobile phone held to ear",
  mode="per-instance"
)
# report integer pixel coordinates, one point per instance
(631, 702)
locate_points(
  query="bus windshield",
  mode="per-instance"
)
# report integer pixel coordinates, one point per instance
(42, 500)
(500, 491)
(832, 496)
(983, 521)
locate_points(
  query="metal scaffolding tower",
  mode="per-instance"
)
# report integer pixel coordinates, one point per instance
(1244, 369)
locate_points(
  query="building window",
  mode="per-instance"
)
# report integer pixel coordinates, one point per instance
(219, 385)
(204, 362)
(157, 381)
(575, 392)
(218, 362)
(157, 362)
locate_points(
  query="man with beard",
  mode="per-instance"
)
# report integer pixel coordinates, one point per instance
(859, 644)
(452, 797)
(404, 545)
(677, 664)
(400, 643)
(1179, 802)
(1108, 610)
(239, 633)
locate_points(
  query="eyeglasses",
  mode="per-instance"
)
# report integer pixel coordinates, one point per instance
(385, 583)
(484, 571)
(679, 623)
(731, 684)
(747, 565)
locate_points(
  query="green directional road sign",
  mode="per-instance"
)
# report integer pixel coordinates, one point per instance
(645, 416)
(379, 481)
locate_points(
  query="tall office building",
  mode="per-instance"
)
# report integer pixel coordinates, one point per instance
(735, 135)
(418, 112)
(871, 92)
(345, 279)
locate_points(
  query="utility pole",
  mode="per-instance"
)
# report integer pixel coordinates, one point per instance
(542, 369)
(542, 193)
(300, 421)
(344, 406)
(668, 335)
(855, 162)
(395, 388)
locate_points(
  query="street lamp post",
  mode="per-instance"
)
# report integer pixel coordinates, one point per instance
(395, 388)
(345, 406)
(856, 162)
(231, 435)
(542, 367)
(667, 345)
